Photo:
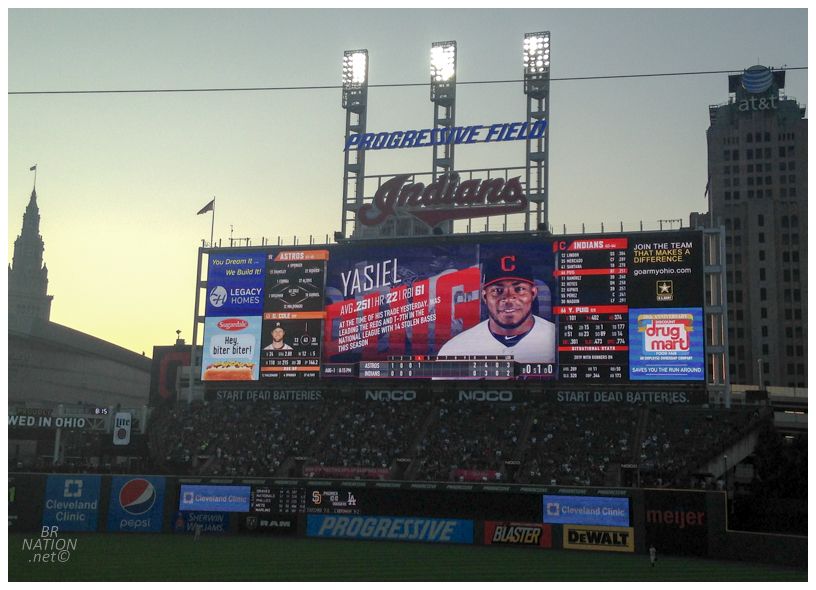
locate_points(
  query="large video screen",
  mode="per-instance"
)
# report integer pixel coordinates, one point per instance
(607, 308)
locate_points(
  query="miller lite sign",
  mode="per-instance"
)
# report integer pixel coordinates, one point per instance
(121, 428)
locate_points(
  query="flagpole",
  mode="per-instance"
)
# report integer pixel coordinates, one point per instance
(212, 226)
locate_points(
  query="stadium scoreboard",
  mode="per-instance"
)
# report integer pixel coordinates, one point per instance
(277, 500)
(614, 308)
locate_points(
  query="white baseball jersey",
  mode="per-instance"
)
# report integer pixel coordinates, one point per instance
(538, 346)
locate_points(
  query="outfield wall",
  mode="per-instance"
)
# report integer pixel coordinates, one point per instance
(676, 522)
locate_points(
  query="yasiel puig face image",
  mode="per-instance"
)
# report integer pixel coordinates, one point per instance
(510, 302)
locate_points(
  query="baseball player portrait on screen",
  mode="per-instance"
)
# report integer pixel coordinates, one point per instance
(508, 292)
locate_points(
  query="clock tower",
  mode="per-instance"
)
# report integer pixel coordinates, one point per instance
(28, 276)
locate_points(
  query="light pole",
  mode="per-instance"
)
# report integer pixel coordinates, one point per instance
(536, 61)
(355, 103)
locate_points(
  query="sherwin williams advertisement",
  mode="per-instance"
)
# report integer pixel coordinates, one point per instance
(666, 344)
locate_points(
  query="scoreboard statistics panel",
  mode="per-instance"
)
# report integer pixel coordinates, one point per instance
(277, 500)
(614, 308)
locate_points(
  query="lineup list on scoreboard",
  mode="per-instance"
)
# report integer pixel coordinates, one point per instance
(593, 341)
(293, 314)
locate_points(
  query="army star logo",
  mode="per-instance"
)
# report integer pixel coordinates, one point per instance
(665, 291)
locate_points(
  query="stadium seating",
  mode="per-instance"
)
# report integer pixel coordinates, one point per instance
(539, 442)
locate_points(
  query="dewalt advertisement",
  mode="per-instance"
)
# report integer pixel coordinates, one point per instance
(599, 538)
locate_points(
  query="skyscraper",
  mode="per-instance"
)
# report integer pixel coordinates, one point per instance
(757, 167)
(28, 276)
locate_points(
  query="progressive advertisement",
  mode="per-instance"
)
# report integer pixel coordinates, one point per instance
(427, 530)
(615, 308)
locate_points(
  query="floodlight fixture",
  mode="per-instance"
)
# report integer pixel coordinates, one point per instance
(443, 62)
(536, 54)
(355, 79)
(355, 68)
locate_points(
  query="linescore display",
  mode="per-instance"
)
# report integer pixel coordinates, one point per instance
(615, 308)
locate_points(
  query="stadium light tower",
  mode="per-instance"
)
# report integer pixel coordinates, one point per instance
(443, 97)
(536, 60)
(355, 103)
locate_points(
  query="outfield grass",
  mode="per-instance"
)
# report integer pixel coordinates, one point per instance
(102, 557)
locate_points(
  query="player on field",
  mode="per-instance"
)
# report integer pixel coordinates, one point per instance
(652, 555)
(508, 291)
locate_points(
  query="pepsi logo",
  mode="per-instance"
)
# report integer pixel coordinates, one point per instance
(137, 496)
(233, 324)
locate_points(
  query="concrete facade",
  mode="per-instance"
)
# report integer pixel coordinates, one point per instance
(757, 166)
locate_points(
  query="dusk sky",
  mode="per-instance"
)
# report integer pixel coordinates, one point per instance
(121, 176)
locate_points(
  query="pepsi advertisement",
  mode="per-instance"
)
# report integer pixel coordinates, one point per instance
(567, 309)
(214, 498)
(72, 502)
(136, 504)
(592, 510)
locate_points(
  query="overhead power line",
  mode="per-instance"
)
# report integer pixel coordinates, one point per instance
(399, 85)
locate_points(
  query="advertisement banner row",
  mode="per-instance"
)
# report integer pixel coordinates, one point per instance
(423, 392)
(675, 521)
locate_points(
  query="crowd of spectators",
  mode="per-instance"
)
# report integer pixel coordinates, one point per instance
(678, 442)
(226, 438)
(469, 438)
(577, 445)
(366, 434)
(538, 442)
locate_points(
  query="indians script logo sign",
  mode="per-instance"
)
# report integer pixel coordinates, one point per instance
(443, 200)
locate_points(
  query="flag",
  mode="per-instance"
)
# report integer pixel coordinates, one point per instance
(208, 207)
(33, 168)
